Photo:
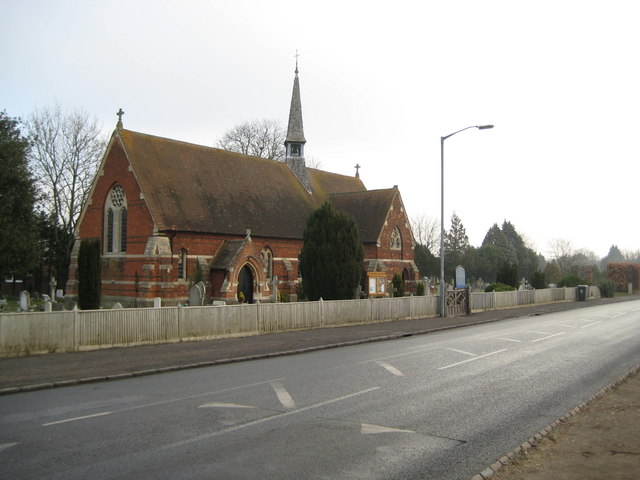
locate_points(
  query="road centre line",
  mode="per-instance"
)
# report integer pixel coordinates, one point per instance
(472, 359)
(391, 369)
(101, 414)
(404, 354)
(591, 324)
(548, 336)
(461, 351)
(539, 333)
(266, 419)
(509, 339)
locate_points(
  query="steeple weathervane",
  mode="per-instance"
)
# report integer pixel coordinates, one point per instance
(297, 55)
(120, 112)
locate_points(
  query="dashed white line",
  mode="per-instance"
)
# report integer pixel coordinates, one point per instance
(547, 337)
(509, 339)
(101, 414)
(461, 351)
(472, 359)
(591, 324)
(368, 429)
(284, 397)
(224, 405)
(390, 368)
(4, 446)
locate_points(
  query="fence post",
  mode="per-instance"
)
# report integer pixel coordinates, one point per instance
(76, 333)
(258, 317)
(180, 320)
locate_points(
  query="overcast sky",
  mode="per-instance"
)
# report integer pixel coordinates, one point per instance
(381, 82)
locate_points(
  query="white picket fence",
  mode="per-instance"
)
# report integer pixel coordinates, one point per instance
(41, 332)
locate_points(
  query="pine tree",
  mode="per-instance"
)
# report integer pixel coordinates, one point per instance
(89, 275)
(18, 232)
(331, 258)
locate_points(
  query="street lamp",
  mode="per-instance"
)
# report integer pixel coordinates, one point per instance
(442, 284)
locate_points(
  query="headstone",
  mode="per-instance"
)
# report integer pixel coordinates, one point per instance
(59, 294)
(218, 303)
(47, 306)
(52, 287)
(58, 306)
(25, 300)
(461, 277)
(157, 302)
(116, 306)
(46, 298)
(196, 295)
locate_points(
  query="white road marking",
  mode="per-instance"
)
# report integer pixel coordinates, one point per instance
(509, 339)
(539, 333)
(618, 315)
(101, 414)
(472, 359)
(564, 325)
(391, 369)
(461, 351)
(547, 337)
(284, 397)
(267, 419)
(404, 354)
(591, 324)
(4, 446)
(368, 429)
(224, 405)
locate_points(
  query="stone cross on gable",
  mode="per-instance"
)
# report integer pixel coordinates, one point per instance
(120, 112)
(357, 167)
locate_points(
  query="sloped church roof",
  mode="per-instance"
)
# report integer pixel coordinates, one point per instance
(195, 188)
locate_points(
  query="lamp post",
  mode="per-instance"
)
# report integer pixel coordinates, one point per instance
(443, 288)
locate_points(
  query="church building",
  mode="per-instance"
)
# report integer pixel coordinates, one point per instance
(169, 213)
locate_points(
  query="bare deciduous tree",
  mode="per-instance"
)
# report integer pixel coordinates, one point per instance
(426, 231)
(66, 149)
(260, 138)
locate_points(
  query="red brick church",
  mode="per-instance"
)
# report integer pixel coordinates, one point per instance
(168, 212)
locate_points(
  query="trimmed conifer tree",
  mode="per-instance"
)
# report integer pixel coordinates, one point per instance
(331, 258)
(89, 275)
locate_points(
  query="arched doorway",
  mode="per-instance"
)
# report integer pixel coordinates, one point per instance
(245, 283)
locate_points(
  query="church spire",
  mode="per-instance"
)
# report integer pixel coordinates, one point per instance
(294, 143)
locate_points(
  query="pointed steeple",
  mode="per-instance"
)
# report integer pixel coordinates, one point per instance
(294, 143)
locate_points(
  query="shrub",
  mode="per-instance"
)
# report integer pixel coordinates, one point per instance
(571, 281)
(538, 280)
(398, 284)
(420, 289)
(607, 288)
(89, 275)
(499, 287)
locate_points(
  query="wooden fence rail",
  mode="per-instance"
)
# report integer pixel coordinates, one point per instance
(42, 332)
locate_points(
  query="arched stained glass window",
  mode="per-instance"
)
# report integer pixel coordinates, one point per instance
(115, 220)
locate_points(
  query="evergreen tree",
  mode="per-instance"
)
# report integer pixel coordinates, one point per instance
(18, 232)
(427, 263)
(508, 274)
(331, 258)
(89, 275)
(456, 246)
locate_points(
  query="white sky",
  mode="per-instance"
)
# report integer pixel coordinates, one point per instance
(381, 82)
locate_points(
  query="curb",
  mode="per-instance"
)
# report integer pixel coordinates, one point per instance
(531, 444)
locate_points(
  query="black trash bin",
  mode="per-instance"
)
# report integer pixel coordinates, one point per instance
(582, 292)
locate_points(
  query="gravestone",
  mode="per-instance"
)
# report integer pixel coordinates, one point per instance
(46, 306)
(59, 294)
(46, 298)
(116, 306)
(157, 302)
(52, 287)
(196, 295)
(25, 300)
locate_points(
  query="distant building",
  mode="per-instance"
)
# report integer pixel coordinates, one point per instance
(168, 212)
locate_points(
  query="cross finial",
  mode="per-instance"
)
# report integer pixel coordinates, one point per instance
(297, 55)
(357, 167)
(120, 112)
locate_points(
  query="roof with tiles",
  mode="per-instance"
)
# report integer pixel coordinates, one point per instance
(369, 209)
(190, 187)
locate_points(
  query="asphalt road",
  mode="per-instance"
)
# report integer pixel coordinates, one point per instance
(434, 406)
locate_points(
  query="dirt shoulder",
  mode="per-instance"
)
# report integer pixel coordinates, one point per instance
(598, 441)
